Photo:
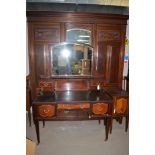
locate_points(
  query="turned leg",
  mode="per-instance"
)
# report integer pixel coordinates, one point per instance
(37, 130)
(126, 123)
(29, 116)
(43, 123)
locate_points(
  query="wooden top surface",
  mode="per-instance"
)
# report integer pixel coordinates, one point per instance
(71, 97)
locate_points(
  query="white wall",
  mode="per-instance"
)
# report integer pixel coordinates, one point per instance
(125, 71)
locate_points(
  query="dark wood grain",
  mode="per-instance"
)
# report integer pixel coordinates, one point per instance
(72, 84)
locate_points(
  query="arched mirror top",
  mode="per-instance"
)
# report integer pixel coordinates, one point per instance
(79, 35)
(71, 59)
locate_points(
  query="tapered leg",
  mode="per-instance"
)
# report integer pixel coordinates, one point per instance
(126, 123)
(43, 123)
(117, 119)
(29, 116)
(120, 120)
(37, 130)
(111, 123)
(99, 121)
(104, 122)
(106, 128)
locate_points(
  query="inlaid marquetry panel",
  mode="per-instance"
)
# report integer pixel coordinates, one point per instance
(121, 105)
(108, 35)
(100, 108)
(46, 110)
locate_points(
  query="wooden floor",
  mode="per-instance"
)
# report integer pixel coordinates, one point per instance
(79, 138)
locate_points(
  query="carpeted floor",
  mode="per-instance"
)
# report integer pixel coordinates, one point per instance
(79, 138)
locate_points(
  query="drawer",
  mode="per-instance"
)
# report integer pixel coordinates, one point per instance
(46, 111)
(100, 108)
(73, 106)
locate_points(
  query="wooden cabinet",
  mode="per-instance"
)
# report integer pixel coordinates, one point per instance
(109, 63)
(110, 42)
(107, 38)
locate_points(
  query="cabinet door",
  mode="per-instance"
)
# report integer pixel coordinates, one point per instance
(39, 60)
(40, 36)
(113, 59)
(109, 55)
(109, 62)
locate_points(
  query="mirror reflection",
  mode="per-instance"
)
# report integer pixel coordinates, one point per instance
(71, 59)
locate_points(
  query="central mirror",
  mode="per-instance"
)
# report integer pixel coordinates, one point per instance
(71, 59)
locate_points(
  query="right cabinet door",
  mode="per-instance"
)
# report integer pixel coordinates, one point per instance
(113, 64)
(110, 53)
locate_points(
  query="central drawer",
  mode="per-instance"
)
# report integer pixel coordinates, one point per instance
(73, 106)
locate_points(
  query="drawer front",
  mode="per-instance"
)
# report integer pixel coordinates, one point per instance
(73, 106)
(120, 106)
(46, 111)
(100, 108)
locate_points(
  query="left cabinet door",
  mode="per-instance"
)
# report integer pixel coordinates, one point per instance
(41, 66)
(40, 36)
